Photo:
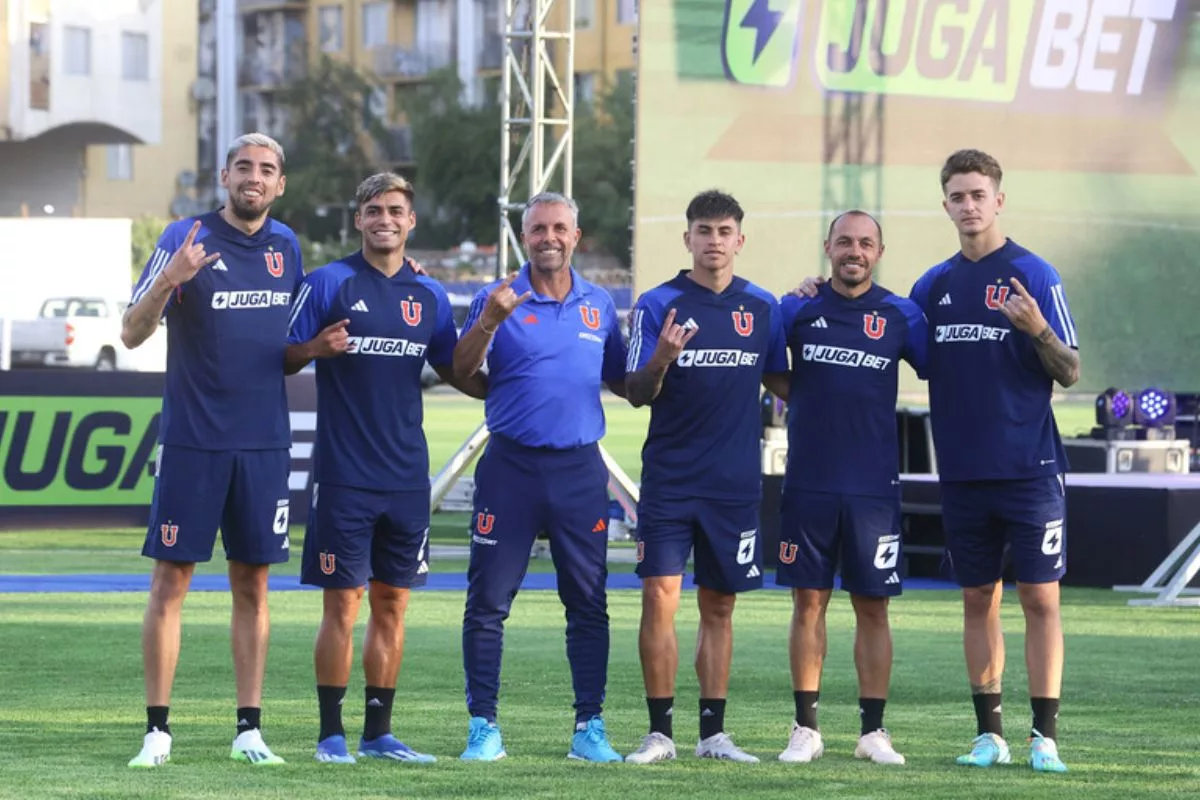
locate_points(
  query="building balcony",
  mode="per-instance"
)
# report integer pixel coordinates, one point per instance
(398, 145)
(98, 74)
(244, 6)
(491, 52)
(412, 62)
(270, 72)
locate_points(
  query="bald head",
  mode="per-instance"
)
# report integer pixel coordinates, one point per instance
(858, 214)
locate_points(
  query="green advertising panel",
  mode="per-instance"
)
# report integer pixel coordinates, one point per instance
(77, 451)
(805, 108)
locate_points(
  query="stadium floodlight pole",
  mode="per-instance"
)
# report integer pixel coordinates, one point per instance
(537, 88)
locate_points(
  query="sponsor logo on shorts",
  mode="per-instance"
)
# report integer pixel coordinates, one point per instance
(887, 552)
(328, 563)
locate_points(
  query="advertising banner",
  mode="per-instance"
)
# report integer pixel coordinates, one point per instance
(77, 449)
(805, 108)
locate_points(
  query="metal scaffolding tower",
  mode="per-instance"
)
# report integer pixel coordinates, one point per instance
(538, 102)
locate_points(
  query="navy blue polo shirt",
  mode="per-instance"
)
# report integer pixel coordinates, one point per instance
(546, 364)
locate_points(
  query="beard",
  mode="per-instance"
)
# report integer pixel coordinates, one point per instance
(244, 211)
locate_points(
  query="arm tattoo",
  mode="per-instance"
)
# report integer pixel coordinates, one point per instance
(987, 687)
(642, 387)
(1060, 361)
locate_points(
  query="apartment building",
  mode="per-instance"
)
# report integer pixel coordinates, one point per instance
(401, 42)
(95, 113)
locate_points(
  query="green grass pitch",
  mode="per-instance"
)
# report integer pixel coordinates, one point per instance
(71, 699)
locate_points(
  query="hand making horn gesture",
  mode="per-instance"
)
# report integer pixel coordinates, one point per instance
(189, 259)
(1022, 310)
(672, 339)
(501, 302)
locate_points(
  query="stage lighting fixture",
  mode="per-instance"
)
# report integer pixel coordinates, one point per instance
(1154, 408)
(1114, 409)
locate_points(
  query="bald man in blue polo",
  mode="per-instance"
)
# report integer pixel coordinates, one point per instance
(550, 339)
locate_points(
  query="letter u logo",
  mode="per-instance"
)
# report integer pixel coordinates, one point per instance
(274, 263)
(170, 534)
(996, 297)
(873, 325)
(411, 311)
(484, 523)
(591, 317)
(328, 563)
(743, 322)
(787, 553)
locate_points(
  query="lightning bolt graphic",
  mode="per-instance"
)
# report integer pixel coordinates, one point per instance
(763, 21)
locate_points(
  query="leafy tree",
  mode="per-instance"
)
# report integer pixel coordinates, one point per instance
(457, 150)
(334, 141)
(603, 179)
(143, 240)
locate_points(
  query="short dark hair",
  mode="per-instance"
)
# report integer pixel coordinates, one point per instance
(714, 204)
(854, 212)
(963, 162)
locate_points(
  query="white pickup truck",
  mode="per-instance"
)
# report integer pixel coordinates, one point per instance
(82, 332)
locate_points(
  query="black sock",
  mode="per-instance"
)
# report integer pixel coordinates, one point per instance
(806, 708)
(987, 714)
(661, 710)
(249, 719)
(329, 700)
(871, 711)
(379, 712)
(156, 719)
(1045, 716)
(712, 716)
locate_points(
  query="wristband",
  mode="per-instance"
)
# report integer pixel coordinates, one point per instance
(483, 325)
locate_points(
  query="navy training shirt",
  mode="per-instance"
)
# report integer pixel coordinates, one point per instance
(369, 405)
(845, 375)
(989, 394)
(226, 336)
(704, 438)
(546, 364)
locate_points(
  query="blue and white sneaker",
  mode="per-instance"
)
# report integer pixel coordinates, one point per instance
(389, 747)
(1043, 755)
(986, 750)
(590, 743)
(332, 750)
(483, 742)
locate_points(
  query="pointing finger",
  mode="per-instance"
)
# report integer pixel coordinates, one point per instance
(512, 276)
(522, 299)
(340, 325)
(210, 260)
(1020, 289)
(191, 236)
(669, 319)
